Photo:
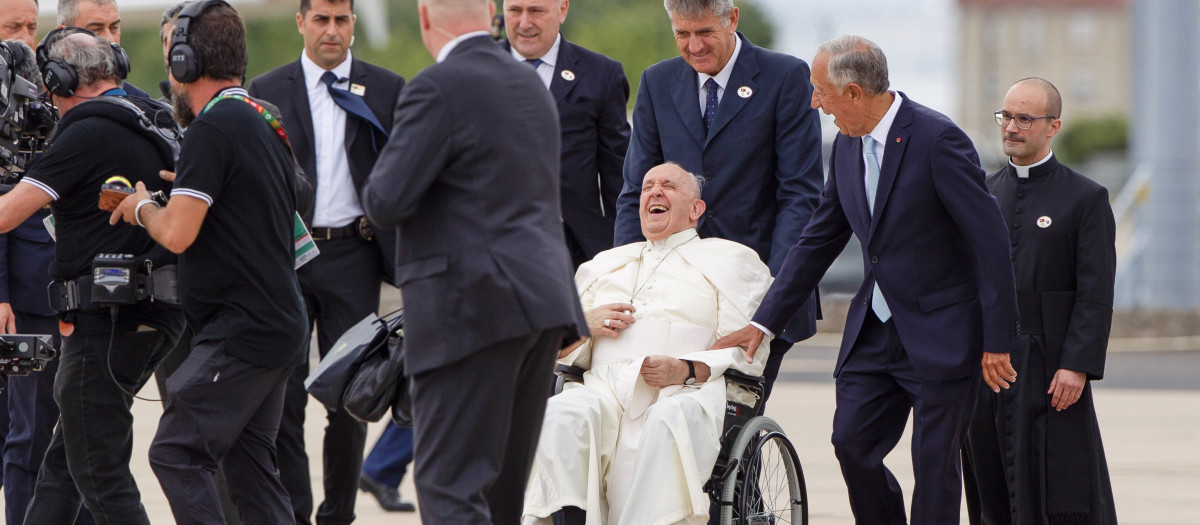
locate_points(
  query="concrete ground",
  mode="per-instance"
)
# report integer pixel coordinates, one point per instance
(1151, 435)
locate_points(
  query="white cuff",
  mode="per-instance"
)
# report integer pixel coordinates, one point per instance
(763, 328)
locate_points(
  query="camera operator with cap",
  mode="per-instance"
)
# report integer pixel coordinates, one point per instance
(108, 353)
(231, 216)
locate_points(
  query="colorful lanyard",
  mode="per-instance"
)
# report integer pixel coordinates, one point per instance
(274, 122)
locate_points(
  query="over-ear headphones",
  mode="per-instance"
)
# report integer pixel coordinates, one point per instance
(185, 64)
(60, 77)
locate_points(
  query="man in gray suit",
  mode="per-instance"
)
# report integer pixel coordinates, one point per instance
(470, 176)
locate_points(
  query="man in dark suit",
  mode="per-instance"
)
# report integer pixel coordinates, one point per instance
(591, 93)
(470, 176)
(738, 115)
(938, 296)
(340, 109)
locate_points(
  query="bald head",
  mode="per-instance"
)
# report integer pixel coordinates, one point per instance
(445, 20)
(1053, 98)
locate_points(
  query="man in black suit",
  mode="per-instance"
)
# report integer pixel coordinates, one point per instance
(470, 176)
(340, 109)
(591, 93)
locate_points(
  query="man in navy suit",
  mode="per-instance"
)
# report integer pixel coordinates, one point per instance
(337, 148)
(938, 297)
(591, 93)
(738, 115)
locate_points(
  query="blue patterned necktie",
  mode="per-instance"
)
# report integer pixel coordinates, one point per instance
(878, 304)
(534, 63)
(354, 105)
(710, 104)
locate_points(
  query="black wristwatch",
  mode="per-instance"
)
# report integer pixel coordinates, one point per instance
(691, 378)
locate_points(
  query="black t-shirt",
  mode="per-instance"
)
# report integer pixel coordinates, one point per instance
(238, 279)
(82, 157)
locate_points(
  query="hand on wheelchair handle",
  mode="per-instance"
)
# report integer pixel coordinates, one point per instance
(748, 338)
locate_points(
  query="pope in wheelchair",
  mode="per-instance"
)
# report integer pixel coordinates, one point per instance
(636, 442)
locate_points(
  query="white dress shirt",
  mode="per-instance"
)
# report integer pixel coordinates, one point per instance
(880, 134)
(336, 201)
(549, 61)
(722, 77)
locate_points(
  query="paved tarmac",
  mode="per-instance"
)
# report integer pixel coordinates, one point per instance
(1148, 407)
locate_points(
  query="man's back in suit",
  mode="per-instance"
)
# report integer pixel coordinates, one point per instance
(337, 149)
(470, 177)
(591, 94)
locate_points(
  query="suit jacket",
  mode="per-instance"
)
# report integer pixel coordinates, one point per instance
(761, 160)
(470, 176)
(591, 99)
(936, 244)
(284, 86)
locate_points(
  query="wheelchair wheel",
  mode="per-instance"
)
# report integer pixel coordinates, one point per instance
(767, 486)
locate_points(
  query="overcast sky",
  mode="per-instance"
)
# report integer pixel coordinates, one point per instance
(919, 38)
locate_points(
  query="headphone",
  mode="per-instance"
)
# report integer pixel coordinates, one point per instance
(58, 75)
(185, 63)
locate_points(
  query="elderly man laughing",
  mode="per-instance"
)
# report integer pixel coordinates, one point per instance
(636, 442)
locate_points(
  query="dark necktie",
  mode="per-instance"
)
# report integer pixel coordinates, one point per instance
(355, 106)
(710, 104)
(534, 63)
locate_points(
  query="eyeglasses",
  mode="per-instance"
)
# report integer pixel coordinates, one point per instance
(1023, 121)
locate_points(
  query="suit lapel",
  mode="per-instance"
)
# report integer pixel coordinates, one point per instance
(567, 60)
(686, 96)
(744, 71)
(301, 143)
(897, 141)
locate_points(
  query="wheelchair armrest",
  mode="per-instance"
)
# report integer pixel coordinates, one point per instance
(755, 382)
(569, 373)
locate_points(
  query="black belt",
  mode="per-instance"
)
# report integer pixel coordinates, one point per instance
(359, 228)
(329, 234)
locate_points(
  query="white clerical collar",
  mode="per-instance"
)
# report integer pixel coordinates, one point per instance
(446, 49)
(1023, 171)
(722, 77)
(550, 58)
(313, 72)
(674, 240)
(880, 133)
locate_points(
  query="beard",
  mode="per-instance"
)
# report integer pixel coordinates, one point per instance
(183, 106)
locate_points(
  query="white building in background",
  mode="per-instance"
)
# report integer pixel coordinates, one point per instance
(1082, 46)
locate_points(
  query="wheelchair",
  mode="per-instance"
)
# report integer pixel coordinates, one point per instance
(757, 478)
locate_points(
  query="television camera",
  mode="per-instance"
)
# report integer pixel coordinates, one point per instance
(26, 118)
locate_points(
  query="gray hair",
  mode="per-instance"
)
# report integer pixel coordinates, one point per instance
(91, 56)
(68, 10)
(170, 15)
(854, 59)
(699, 8)
(697, 181)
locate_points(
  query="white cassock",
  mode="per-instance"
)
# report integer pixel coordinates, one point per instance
(625, 452)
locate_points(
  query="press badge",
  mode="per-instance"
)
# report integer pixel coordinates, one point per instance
(306, 249)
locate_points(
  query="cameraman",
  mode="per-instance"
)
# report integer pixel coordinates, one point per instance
(231, 218)
(104, 359)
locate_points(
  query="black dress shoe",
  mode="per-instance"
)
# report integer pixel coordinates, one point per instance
(388, 498)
